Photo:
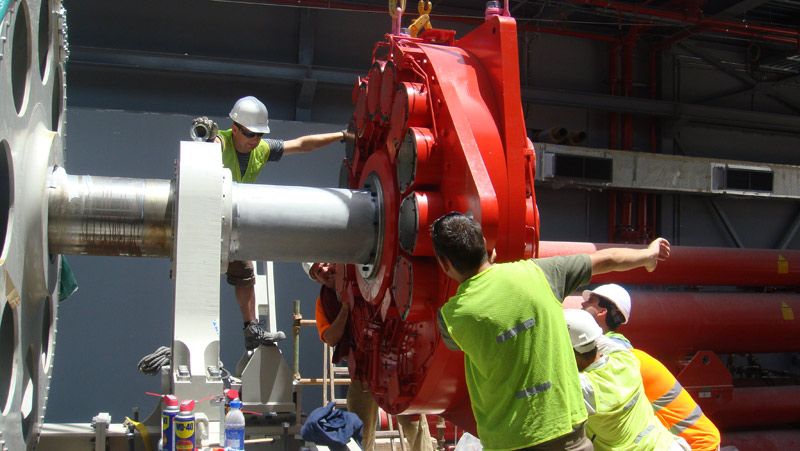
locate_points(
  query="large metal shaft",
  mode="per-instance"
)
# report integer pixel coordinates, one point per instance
(133, 217)
(295, 223)
(110, 216)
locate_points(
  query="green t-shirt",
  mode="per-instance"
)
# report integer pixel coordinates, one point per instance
(519, 365)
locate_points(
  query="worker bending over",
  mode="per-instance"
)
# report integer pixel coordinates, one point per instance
(333, 325)
(619, 415)
(610, 305)
(511, 312)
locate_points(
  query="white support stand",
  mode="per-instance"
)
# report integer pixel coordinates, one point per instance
(266, 378)
(265, 296)
(101, 423)
(202, 208)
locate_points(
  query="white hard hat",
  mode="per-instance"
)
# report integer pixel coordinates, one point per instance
(583, 329)
(251, 114)
(307, 269)
(616, 295)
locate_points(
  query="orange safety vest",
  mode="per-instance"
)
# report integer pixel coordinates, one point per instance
(674, 406)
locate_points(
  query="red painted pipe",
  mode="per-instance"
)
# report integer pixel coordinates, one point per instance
(672, 326)
(613, 117)
(679, 324)
(755, 407)
(750, 34)
(698, 265)
(767, 440)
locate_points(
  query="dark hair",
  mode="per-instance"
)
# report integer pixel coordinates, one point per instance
(459, 239)
(614, 318)
(590, 355)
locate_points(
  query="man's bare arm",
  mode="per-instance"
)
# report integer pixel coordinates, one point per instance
(334, 333)
(624, 259)
(309, 143)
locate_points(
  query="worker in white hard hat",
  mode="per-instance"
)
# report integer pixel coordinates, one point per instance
(332, 317)
(620, 416)
(507, 319)
(610, 305)
(245, 153)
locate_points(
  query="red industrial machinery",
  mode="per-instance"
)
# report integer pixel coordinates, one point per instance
(439, 127)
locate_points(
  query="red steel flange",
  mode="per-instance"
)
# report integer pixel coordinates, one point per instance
(439, 127)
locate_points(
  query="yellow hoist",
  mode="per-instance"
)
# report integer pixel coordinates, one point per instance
(423, 22)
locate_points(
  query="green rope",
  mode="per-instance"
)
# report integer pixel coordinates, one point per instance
(68, 284)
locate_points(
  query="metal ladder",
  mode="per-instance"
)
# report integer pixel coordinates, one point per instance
(330, 380)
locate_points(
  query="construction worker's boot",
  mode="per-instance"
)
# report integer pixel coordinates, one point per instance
(255, 336)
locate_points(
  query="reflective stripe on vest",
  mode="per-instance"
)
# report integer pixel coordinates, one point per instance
(530, 391)
(668, 397)
(521, 327)
(632, 402)
(589, 395)
(675, 408)
(687, 422)
(644, 433)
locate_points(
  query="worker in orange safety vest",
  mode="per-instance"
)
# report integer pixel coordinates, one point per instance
(610, 305)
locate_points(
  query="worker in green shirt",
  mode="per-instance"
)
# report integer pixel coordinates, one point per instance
(245, 152)
(507, 318)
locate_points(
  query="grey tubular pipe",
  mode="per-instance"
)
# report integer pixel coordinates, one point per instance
(133, 217)
(110, 216)
(295, 223)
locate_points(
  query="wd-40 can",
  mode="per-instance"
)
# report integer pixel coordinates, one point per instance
(185, 427)
(168, 412)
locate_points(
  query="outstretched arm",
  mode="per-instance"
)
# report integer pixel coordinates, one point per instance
(623, 259)
(308, 143)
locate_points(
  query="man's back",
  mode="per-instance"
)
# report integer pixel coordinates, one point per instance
(620, 416)
(519, 365)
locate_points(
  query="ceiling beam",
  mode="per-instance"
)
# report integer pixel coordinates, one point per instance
(740, 8)
(752, 120)
(745, 79)
(305, 57)
(196, 66)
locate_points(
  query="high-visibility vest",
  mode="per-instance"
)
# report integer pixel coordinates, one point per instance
(258, 158)
(518, 361)
(620, 416)
(619, 339)
(674, 406)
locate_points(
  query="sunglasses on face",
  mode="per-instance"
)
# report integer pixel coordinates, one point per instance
(247, 133)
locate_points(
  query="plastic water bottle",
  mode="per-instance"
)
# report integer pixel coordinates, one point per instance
(234, 427)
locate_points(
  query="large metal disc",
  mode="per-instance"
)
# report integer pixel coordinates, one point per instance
(32, 115)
